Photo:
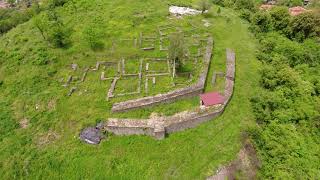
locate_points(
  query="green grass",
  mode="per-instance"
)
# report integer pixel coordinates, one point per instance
(191, 154)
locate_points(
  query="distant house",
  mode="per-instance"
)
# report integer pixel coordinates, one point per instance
(295, 11)
(266, 7)
(211, 99)
(4, 4)
(306, 2)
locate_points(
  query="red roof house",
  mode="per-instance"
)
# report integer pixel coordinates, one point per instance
(3, 4)
(295, 11)
(212, 98)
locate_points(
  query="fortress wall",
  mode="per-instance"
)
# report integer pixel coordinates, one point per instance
(159, 126)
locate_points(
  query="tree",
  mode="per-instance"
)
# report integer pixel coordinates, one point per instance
(245, 4)
(40, 24)
(261, 22)
(52, 29)
(305, 25)
(205, 5)
(289, 3)
(94, 35)
(176, 50)
(280, 19)
(219, 11)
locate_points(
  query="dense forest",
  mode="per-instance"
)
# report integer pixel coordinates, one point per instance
(288, 108)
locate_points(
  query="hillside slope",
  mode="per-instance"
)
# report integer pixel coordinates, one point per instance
(31, 94)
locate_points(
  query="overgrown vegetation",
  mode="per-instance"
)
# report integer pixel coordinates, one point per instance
(23, 10)
(288, 109)
(177, 50)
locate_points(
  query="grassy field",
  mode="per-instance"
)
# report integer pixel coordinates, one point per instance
(49, 147)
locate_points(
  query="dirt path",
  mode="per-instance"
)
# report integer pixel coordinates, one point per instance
(246, 165)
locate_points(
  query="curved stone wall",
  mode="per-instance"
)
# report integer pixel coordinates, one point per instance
(159, 126)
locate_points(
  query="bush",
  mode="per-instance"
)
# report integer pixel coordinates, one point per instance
(204, 5)
(176, 49)
(289, 3)
(52, 29)
(305, 25)
(261, 22)
(245, 5)
(94, 35)
(280, 19)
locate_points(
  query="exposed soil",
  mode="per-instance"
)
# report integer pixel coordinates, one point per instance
(47, 138)
(244, 167)
(24, 123)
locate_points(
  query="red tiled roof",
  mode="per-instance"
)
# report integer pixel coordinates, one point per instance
(212, 98)
(3, 4)
(294, 11)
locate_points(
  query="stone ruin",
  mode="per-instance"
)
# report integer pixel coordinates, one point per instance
(145, 74)
(92, 135)
(192, 90)
(158, 127)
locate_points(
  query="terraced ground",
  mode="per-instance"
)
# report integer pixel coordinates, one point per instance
(31, 94)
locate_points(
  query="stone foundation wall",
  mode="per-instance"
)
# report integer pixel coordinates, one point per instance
(190, 91)
(159, 126)
(192, 121)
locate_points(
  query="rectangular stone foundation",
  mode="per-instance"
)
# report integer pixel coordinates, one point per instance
(193, 90)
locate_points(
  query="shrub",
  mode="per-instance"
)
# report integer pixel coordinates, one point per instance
(52, 29)
(261, 22)
(280, 19)
(94, 35)
(204, 5)
(176, 49)
(305, 25)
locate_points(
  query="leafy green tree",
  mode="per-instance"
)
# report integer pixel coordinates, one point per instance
(94, 36)
(177, 49)
(56, 3)
(245, 4)
(52, 29)
(305, 25)
(261, 22)
(287, 152)
(219, 11)
(289, 3)
(292, 52)
(280, 19)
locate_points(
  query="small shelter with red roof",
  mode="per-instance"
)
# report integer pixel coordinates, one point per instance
(211, 99)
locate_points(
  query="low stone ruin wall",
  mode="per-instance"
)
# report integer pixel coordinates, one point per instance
(190, 91)
(158, 127)
(230, 75)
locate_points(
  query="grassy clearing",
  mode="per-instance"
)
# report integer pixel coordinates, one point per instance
(192, 154)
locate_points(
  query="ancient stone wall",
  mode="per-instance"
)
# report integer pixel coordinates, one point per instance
(230, 75)
(159, 126)
(193, 90)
